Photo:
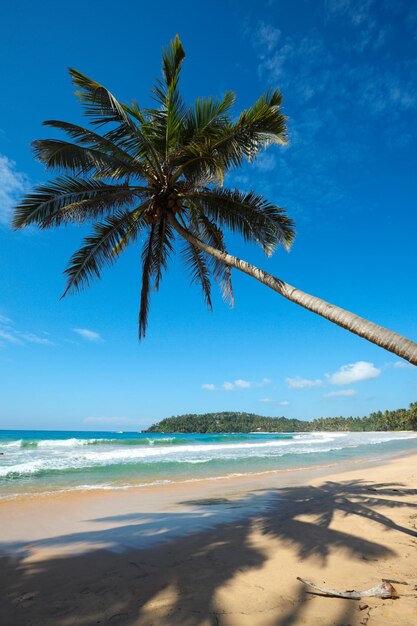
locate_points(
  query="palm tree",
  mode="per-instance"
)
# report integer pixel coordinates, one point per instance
(158, 173)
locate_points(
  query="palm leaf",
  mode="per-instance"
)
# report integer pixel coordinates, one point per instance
(261, 124)
(249, 214)
(143, 145)
(196, 263)
(98, 102)
(103, 108)
(162, 250)
(172, 59)
(167, 122)
(207, 116)
(62, 198)
(147, 258)
(94, 141)
(70, 157)
(101, 248)
(222, 273)
(255, 129)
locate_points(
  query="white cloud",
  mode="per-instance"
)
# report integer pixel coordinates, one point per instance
(341, 392)
(90, 335)
(354, 373)
(243, 384)
(284, 402)
(303, 383)
(345, 375)
(12, 185)
(237, 384)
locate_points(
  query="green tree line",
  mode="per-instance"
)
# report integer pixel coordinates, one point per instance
(235, 422)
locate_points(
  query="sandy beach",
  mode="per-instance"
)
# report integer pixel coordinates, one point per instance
(220, 552)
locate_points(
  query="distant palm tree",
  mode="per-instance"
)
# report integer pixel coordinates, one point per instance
(159, 173)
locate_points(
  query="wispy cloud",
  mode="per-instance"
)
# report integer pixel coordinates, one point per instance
(340, 392)
(354, 373)
(5, 320)
(236, 385)
(10, 335)
(271, 401)
(402, 365)
(303, 383)
(32, 338)
(357, 11)
(266, 37)
(366, 23)
(266, 162)
(89, 335)
(326, 80)
(12, 185)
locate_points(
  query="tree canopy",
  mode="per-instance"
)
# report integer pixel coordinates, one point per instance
(235, 422)
(151, 165)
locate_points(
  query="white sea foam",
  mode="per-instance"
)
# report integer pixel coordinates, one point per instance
(73, 442)
(77, 454)
(30, 467)
(12, 444)
(63, 443)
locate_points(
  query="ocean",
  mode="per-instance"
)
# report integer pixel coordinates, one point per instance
(34, 462)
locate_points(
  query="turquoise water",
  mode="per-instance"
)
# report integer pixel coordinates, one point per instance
(39, 461)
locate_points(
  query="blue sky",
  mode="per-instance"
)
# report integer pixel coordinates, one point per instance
(347, 70)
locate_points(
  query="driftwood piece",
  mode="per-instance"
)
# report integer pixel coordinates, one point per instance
(383, 590)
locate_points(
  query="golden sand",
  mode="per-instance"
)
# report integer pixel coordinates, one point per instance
(223, 553)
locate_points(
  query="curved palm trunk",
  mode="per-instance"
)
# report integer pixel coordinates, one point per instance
(391, 341)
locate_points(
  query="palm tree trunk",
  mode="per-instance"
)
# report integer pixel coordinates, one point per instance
(391, 341)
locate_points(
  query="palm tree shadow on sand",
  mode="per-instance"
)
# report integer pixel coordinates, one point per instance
(168, 568)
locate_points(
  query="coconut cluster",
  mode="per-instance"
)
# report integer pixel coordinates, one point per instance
(162, 203)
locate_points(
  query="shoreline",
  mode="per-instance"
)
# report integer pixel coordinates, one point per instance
(223, 553)
(320, 470)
